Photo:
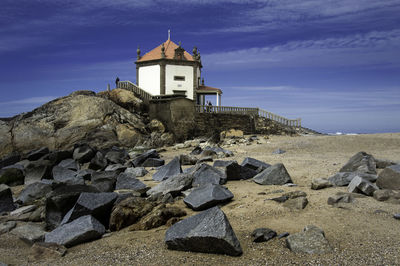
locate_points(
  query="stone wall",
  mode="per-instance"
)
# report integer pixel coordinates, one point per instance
(177, 115)
(209, 124)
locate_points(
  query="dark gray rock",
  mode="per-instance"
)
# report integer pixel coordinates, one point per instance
(171, 169)
(205, 174)
(83, 229)
(66, 176)
(197, 232)
(99, 205)
(138, 160)
(36, 171)
(7, 227)
(205, 159)
(340, 198)
(298, 203)
(360, 185)
(104, 181)
(85, 174)
(278, 151)
(312, 241)
(10, 160)
(389, 178)
(344, 178)
(83, 153)
(254, 164)
(285, 234)
(187, 159)
(234, 171)
(173, 185)
(6, 199)
(273, 175)
(263, 234)
(196, 151)
(220, 152)
(361, 162)
(119, 168)
(127, 181)
(320, 183)
(98, 162)
(11, 176)
(153, 162)
(55, 157)
(223, 163)
(37, 154)
(117, 156)
(137, 171)
(30, 233)
(61, 200)
(70, 164)
(207, 196)
(396, 216)
(33, 192)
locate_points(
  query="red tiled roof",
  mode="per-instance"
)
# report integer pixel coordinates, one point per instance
(205, 89)
(170, 47)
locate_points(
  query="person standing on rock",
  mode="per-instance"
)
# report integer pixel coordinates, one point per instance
(116, 82)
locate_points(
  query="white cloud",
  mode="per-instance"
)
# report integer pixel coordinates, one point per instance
(372, 48)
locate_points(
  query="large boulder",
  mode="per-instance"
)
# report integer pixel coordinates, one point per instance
(34, 191)
(6, 199)
(9, 159)
(141, 158)
(36, 171)
(207, 196)
(234, 171)
(12, 176)
(360, 162)
(98, 162)
(70, 164)
(312, 241)
(37, 154)
(98, 205)
(389, 178)
(173, 185)
(344, 178)
(129, 211)
(137, 171)
(128, 181)
(66, 176)
(30, 233)
(104, 181)
(83, 153)
(171, 169)
(205, 174)
(361, 185)
(61, 200)
(83, 229)
(254, 164)
(116, 156)
(208, 232)
(126, 99)
(159, 216)
(61, 123)
(273, 175)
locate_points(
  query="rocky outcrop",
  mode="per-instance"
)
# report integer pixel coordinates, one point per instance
(61, 123)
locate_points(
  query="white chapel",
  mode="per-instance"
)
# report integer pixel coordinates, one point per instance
(169, 70)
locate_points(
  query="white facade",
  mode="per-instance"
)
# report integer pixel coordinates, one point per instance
(179, 79)
(149, 79)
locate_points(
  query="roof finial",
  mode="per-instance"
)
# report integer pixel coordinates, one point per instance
(169, 34)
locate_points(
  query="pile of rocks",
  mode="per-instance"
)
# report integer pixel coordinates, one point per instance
(366, 175)
(75, 196)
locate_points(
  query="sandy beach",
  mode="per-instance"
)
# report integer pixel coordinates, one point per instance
(361, 233)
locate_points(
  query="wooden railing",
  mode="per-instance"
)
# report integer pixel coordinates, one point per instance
(127, 85)
(248, 111)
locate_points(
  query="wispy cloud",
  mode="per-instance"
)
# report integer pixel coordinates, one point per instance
(262, 88)
(376, 47)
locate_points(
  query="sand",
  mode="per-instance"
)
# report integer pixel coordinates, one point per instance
(361, 233)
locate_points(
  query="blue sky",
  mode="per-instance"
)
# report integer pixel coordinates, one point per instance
(335, 64)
